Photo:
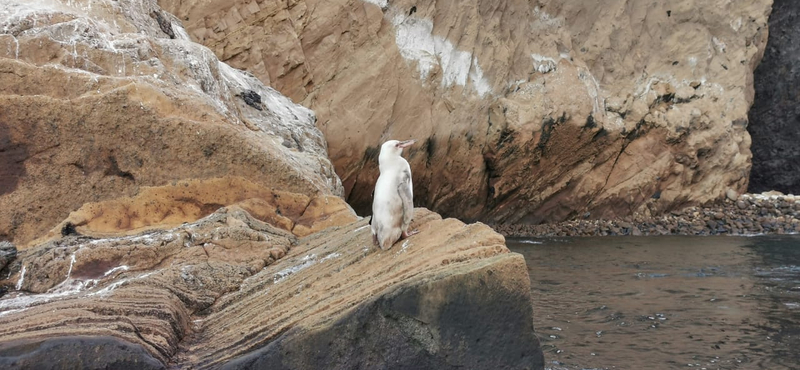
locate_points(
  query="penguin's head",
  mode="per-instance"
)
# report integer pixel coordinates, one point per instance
(395, 147)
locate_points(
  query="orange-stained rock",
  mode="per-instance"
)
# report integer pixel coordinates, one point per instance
(323, 212)
(168, 206)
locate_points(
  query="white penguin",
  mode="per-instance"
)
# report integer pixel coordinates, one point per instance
(393, 201)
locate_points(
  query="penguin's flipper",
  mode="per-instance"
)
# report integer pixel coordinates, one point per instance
(406, 195)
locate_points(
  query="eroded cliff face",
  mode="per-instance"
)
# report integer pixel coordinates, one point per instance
(525, 111)
(231, 291)
(100, 99)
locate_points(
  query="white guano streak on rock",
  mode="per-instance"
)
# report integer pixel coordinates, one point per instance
(416, 42)
(21, 278)
(381, 3)
(403, 247)
(115, 269)
(306, 262)
(543, 64)
(67, 289)
(330, 256)
(593, 89)
(71, 263)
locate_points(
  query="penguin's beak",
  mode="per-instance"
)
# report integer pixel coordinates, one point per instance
(406, 143)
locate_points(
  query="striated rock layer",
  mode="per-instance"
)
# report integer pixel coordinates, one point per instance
(99, 99)
(230, 291)
(525, 111)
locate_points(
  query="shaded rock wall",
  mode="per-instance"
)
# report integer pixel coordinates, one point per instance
(524, 111)
(775, 115)
(101, 98)
(232, 291)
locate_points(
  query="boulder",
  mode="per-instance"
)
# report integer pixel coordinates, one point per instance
(102, 99)
(212, 294)
(523, 111)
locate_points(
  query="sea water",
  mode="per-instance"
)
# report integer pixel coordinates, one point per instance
(672, 302)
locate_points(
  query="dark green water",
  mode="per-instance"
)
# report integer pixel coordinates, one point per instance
(666, 302)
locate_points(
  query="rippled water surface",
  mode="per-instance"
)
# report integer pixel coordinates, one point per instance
(666, 302)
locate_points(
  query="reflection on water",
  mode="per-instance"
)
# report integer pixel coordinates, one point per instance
(666, 302)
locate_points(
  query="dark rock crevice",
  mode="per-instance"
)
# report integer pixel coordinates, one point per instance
(775, 115)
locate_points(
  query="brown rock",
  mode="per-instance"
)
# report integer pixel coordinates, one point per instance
(323, 212)
(524, 111)
(97, 102)
(209, 294)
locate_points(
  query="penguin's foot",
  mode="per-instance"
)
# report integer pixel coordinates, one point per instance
(406, 234)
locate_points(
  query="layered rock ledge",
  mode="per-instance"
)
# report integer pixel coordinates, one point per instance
(747, 214)
(230, 291)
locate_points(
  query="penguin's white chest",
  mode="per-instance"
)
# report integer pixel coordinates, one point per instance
(392, 204)
(387, 204)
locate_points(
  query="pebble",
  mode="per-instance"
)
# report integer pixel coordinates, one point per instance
(747, 214)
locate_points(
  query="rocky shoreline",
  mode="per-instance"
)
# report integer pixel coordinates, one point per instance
(746, 214)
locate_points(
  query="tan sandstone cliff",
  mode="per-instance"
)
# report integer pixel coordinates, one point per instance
(525, 111)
